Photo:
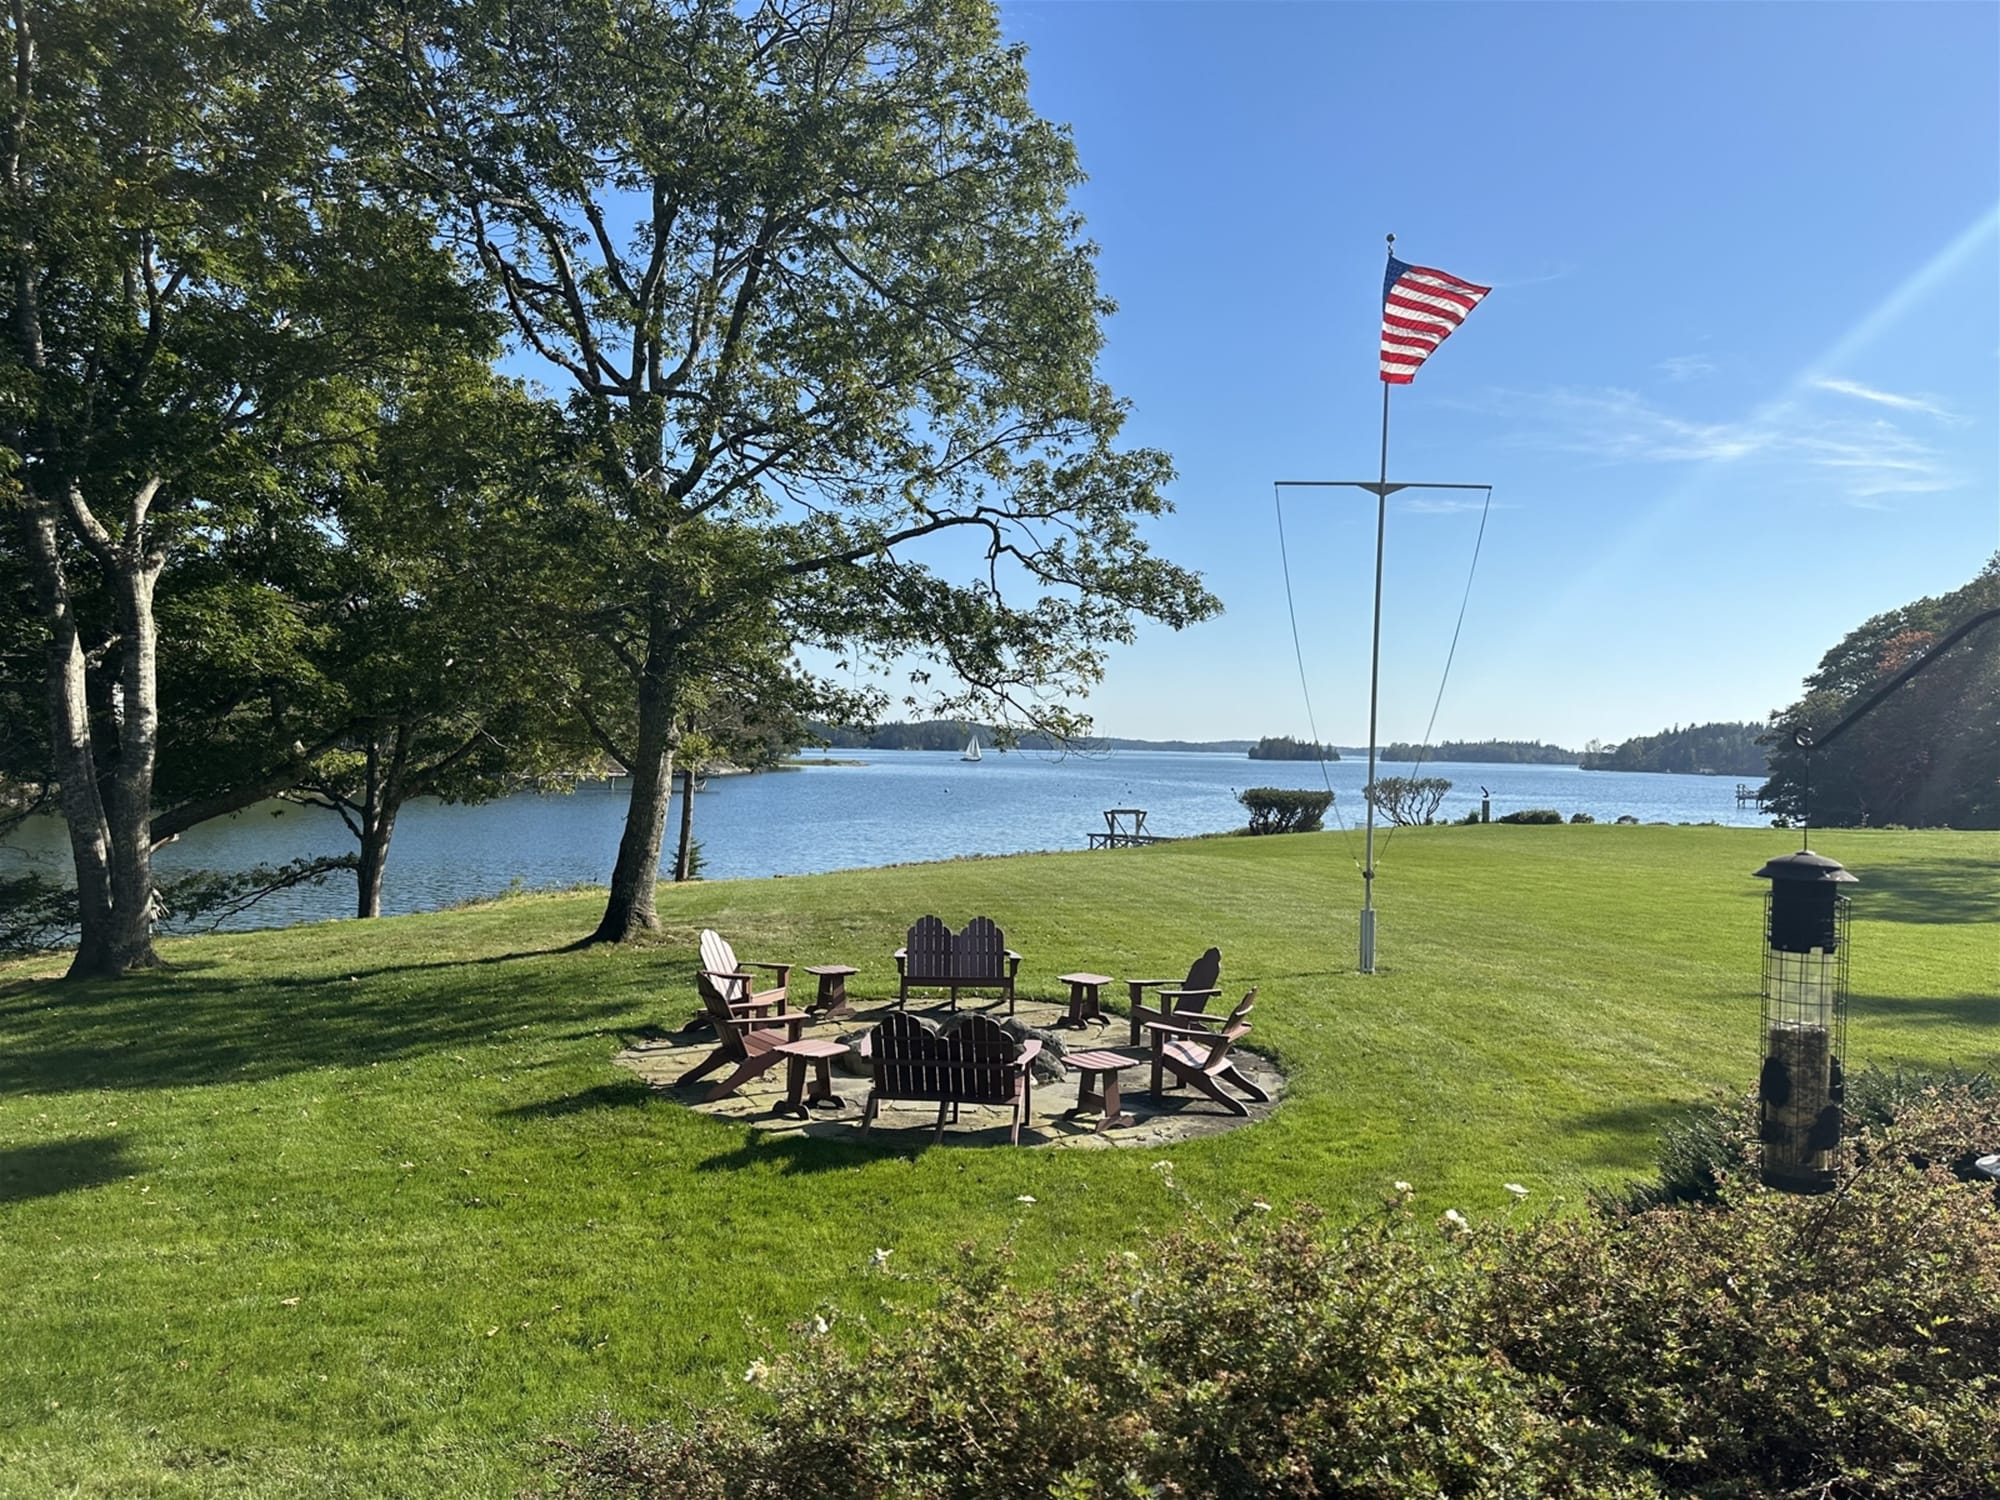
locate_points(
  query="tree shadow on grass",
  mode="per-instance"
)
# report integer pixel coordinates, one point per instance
(1979, 1012)
(804, 1153)
(177, 1028)
(1938, 891)
(53, 1167)
(632, 1094)
(1634, 1130)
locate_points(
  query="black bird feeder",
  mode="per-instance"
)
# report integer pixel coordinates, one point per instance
(1805, 1020)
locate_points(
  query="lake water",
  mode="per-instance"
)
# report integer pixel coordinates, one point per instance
(897, 806)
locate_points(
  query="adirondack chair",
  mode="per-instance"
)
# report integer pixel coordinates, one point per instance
(909, 1058)
(976, 958)
(723, 976)
(1180, 1005)
(748, 1040)
(1199, 1057)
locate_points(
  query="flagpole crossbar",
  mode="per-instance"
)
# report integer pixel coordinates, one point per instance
(1370, 485)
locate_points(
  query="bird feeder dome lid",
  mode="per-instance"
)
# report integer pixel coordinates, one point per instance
(1807, 868)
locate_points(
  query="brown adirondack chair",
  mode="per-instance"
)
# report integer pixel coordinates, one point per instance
(1181, 1005)
(978, 957)
(1199, 1057)
(732, 982)
(909, 1058)
(748, 1040)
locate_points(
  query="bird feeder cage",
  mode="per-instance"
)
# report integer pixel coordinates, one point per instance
(1805, 1020)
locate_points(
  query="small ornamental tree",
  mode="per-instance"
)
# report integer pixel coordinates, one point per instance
(1278, 810)
(1408, 800)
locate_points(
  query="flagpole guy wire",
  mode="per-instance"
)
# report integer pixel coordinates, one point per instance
(1381, 489)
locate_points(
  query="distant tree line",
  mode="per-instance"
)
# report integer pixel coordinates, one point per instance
(950, 734)
(1717, 749)
(1284, 747)
(1482, 752)
(1928, 755)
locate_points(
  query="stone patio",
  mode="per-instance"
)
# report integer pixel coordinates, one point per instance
(1181, 1115)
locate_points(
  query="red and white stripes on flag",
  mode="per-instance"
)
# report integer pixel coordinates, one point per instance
(1420, 308)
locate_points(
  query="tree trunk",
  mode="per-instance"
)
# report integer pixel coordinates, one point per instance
(374, 857)
(382, 795)
(684, 854)
(130, 805)
(629, 911)
(70, 737)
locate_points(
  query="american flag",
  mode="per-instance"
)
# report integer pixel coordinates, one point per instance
(1420, 308)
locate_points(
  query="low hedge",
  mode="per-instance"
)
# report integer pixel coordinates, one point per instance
(1275, 809)
(1756, 1347)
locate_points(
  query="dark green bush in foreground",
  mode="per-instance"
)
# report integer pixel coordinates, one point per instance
(1843, 1347)
(1279, 810)
(1531, 815)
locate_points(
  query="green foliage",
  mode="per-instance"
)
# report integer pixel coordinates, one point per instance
(1776, 1345)
(1284, 747)
(1531, 815)
(1924, 756)
(1582, 817)
(1481, 752)
(1408, 800)
(35, 913)
(1280, 810)
(1757, 1345)
(1705, 749)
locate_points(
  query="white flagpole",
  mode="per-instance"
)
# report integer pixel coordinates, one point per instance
(1381, 489)
(1374, 691)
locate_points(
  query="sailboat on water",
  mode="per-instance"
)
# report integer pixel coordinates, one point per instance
(971, 747)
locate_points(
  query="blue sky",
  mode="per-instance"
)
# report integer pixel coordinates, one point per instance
(1736, 386)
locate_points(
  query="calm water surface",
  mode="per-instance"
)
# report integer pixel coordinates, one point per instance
(900, 805)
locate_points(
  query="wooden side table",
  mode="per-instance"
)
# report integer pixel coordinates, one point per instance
(833, 979)
(1083, 1006)
(820, 1053)
(1103, 1069)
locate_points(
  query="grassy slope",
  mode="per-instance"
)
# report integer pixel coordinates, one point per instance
(414, 1128)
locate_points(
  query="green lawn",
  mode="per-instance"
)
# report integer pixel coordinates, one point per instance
(366, 1209)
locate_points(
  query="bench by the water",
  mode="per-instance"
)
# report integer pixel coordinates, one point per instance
(1123, 826)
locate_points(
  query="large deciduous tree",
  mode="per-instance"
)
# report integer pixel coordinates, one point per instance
(1928, 754)
(808, 274)
(199, 282)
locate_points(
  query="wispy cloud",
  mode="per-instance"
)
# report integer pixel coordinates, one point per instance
(1869, 458)
(1686, 367)
(1862, 392)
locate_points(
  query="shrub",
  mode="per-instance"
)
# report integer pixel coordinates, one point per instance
(1408, 800)
(1773, 1345)
(1581, 818)
(1956, 1113)
(1757, 1346)
(1276, 810)
(1531, 815)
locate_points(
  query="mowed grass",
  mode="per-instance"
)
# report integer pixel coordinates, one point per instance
(366, 1209)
